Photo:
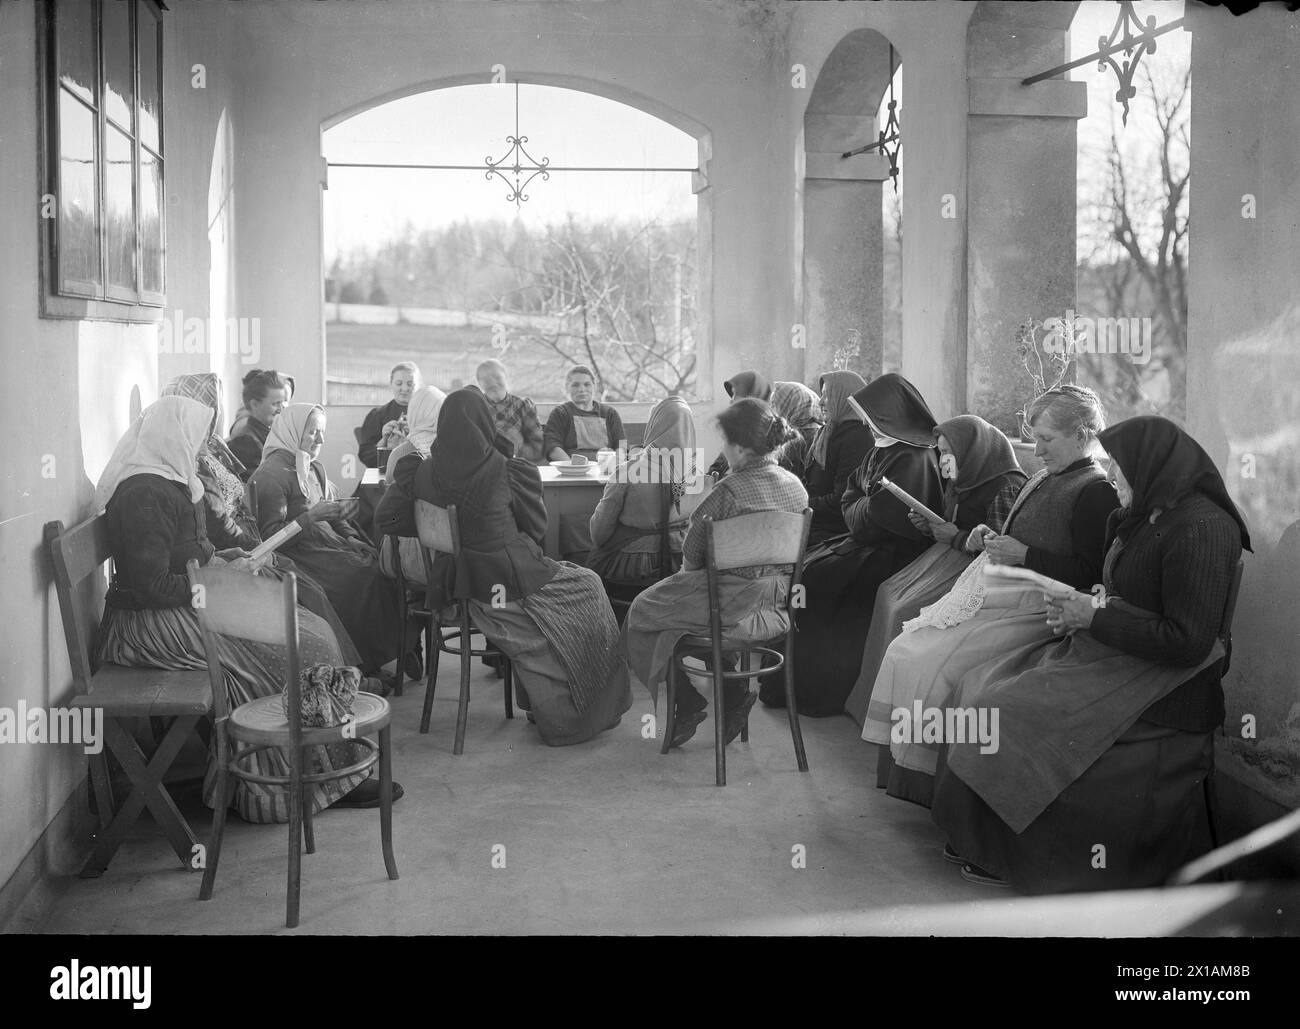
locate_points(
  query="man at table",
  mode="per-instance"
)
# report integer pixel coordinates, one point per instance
(581, 425)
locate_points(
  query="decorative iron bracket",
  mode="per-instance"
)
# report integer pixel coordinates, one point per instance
(889, 140)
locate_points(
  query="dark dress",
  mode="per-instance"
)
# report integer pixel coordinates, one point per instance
(336, 555)
(372, 431)
(842, 574)
(849, 445)
(1142, 798)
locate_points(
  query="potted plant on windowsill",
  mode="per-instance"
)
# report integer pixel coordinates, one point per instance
(1050, 363)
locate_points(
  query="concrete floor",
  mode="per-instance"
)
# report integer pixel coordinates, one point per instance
(606, 837)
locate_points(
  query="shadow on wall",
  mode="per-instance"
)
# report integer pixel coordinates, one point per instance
(1260, 419)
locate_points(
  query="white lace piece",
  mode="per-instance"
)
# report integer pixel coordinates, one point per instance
(960, 603)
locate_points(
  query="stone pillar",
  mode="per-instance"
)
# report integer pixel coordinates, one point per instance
(843, 249)
(1021, 149)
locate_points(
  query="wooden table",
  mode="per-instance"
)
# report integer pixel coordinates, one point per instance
(563, 495)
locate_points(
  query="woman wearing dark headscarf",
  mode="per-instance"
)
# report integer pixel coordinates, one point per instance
(837, 451)
(1106, 735)
(1057, 527)
(230, 523)
(626, 525)
(551, 618)
(842, 574)
(984, 479)
(291, 485)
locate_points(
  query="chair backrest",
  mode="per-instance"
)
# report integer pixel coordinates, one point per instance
(76, 554)
(437, 527)
(248, 607)
(250, 498)
(665, 530)
(761, 538)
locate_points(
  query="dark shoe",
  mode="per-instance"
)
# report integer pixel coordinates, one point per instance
(413, 665)
(736, 715)
(684, 726)
(379, 683)
(975, 874)
(367, 795)
(951, 856)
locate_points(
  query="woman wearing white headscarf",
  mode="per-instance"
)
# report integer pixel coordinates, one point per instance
(291, 484)
(422, 420)
(152, 496)
(422, 426)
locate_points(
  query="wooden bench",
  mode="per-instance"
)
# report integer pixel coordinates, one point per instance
(183, 698)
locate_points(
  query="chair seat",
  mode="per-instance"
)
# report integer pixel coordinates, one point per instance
(147, 692)
(263, 721)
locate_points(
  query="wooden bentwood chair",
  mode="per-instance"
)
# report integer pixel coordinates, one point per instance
(762, 538)
(237, 604)
(439, 532)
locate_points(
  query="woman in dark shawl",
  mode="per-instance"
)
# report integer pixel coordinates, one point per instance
(984, 479)
(230, 523)
(837, 451)
(551, 618)
(1106, 735)
(842, 574)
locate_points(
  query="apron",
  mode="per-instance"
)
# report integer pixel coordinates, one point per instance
(590, 432)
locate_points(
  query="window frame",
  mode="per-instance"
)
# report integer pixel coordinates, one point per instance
(105, 301)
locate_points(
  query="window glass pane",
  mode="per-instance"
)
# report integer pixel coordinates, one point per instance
(150, 93)
(119, 91)
(74, 28)
(151, 228)
(78, 210)
(119, 210)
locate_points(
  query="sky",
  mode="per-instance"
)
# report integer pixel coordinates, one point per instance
(466, 124)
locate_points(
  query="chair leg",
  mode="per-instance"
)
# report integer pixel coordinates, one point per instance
(218, 816)
(749, 667)
(462, 714)
(792, 712)
(295, 840)
(308, 827)
(510, 685)
(719, 718)
(386, 800)
(402, 618)
(103, 786)
(670, 700)
(433, 651)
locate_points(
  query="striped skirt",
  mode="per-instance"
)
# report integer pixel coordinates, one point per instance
(170, 638)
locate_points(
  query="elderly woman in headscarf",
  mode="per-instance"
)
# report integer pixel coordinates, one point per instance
(627, 523)
(1106, 733)
(551, 618)
(841, 575)
(838, 450)
(151, 494)
(1057, 528)
(291, 485)
(984, 479)
(230, 523)
(793, 401)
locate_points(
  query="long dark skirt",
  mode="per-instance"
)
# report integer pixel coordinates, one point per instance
(366, 600)
(1136, 815)
(840, 580)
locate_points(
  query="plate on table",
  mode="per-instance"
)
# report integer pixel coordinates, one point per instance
(574, 471)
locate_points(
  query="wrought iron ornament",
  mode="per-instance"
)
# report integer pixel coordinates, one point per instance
(516, 167)
(1134, 48)
(890, 133)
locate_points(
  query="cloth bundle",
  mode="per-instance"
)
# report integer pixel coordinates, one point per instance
(327, 695)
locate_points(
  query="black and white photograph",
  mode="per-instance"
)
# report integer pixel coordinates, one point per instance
(650, 468)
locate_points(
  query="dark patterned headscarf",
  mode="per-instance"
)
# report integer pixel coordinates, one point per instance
(205, 387)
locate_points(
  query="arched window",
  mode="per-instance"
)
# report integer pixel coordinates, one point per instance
(588, 254)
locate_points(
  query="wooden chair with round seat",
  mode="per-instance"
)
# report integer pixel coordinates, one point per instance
(761, 538)
(238, 604)
(439, 533)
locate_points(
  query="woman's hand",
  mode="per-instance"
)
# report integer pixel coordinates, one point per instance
(1069, 613)
(392, 428)
(920, 523)
(1004, 550)
(232, 554)
(978, 535)
(944, 532)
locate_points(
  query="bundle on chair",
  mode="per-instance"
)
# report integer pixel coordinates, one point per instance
(327, 695)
